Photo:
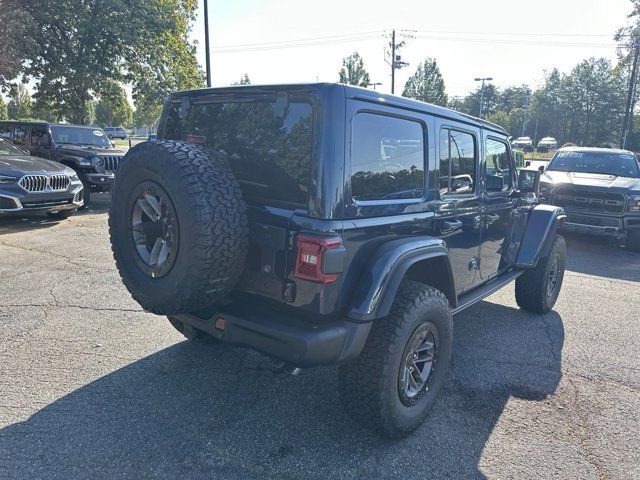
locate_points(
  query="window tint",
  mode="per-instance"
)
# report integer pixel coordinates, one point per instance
(5, 131)
(20, 135)
(268, 144)
(387, 158)
(498, 167)
(457, 162)
(39, 136)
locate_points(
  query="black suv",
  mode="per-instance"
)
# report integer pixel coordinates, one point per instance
(327, 224)
(600, 190)
(87, 150)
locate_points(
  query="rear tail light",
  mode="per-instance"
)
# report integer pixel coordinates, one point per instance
(311, 257)
(199, 139)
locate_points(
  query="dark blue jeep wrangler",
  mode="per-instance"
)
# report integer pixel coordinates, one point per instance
(327, 224)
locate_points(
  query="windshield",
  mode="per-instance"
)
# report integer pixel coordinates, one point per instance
(7, 148)
(79, 136)
(606, 163)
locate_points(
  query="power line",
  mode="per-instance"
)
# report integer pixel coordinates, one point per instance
(300, 42)
(496, 41)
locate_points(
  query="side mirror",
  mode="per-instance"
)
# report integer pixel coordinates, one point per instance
(495, 183)
(541, 168)
(529, 181)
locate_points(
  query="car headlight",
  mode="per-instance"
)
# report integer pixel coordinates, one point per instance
(97, 162)
(5, 179)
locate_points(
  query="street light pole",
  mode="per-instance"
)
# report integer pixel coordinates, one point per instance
(482, 90)
(206, 42)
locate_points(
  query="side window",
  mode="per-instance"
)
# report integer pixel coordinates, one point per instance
(387, 158)
(39, 136)
(5, 131)
(498, 175)
(457, 162)
(20, 135)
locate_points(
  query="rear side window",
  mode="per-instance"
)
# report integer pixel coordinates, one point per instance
(20, 135)
(458, 160)
(387, 158)
(5, 131)
(268, 144)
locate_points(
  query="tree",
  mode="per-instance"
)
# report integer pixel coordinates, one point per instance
(3, 109)
(490, 99)
(19, 103)
(15, 44)
(244, 80)
(113, 108)
(353, 71)
(426, 84)
(83, 46)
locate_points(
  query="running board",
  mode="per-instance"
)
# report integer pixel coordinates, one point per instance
(477, 294)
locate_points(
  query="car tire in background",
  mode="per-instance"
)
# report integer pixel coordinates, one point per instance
(632, 242)
(537, 289)
(86, 190)
(392, 385)
(178, 226)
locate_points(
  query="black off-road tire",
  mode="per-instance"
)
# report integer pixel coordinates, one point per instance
(191, 333)
(61, 215)
(370, 385)
(533, 290)
(86, 190)
(632, 242)
(211, 225)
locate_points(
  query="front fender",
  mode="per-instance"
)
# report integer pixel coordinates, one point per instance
(541, 229)
(377, 290)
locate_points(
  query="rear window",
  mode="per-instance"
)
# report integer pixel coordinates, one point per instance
(268, 144)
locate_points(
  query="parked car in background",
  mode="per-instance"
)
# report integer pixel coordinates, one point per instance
(30, 184)
(115, 132)
(327, 224)
(525, 143)
(547, 143)
(87, 150)
(600, 190)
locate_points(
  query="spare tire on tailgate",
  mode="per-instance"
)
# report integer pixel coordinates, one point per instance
(178, 226)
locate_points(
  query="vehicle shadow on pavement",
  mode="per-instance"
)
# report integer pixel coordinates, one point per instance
(214, 411)
(601, 257)
(14, 224)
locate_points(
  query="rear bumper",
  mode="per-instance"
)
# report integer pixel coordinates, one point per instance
(294, 340)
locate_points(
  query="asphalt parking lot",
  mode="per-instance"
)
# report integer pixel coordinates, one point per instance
(93, 387)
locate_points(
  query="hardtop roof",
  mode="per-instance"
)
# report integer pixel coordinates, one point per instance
(357, 93)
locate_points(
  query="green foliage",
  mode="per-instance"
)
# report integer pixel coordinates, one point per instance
(16, 44)
(426, 84)
(19, 102)
(244, 80)
(3, 109)
(112, 108)
(353, 71)
(84, 46)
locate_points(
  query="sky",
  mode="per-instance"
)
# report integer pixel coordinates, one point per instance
(512, 41)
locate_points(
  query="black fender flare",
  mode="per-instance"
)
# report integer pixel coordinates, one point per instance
(377, 290)
(541, 229)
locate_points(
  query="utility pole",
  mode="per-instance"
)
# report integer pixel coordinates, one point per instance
(393, 61)
(206, 42)
(482, 91)
(396, 60)
(628, 110)
(526, 110)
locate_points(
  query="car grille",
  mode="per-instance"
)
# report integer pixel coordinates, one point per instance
(589, 200)
(45, 203)
(111, 162)
(41, 183)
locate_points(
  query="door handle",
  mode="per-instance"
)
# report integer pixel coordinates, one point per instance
(490, 218)
(450, 226)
